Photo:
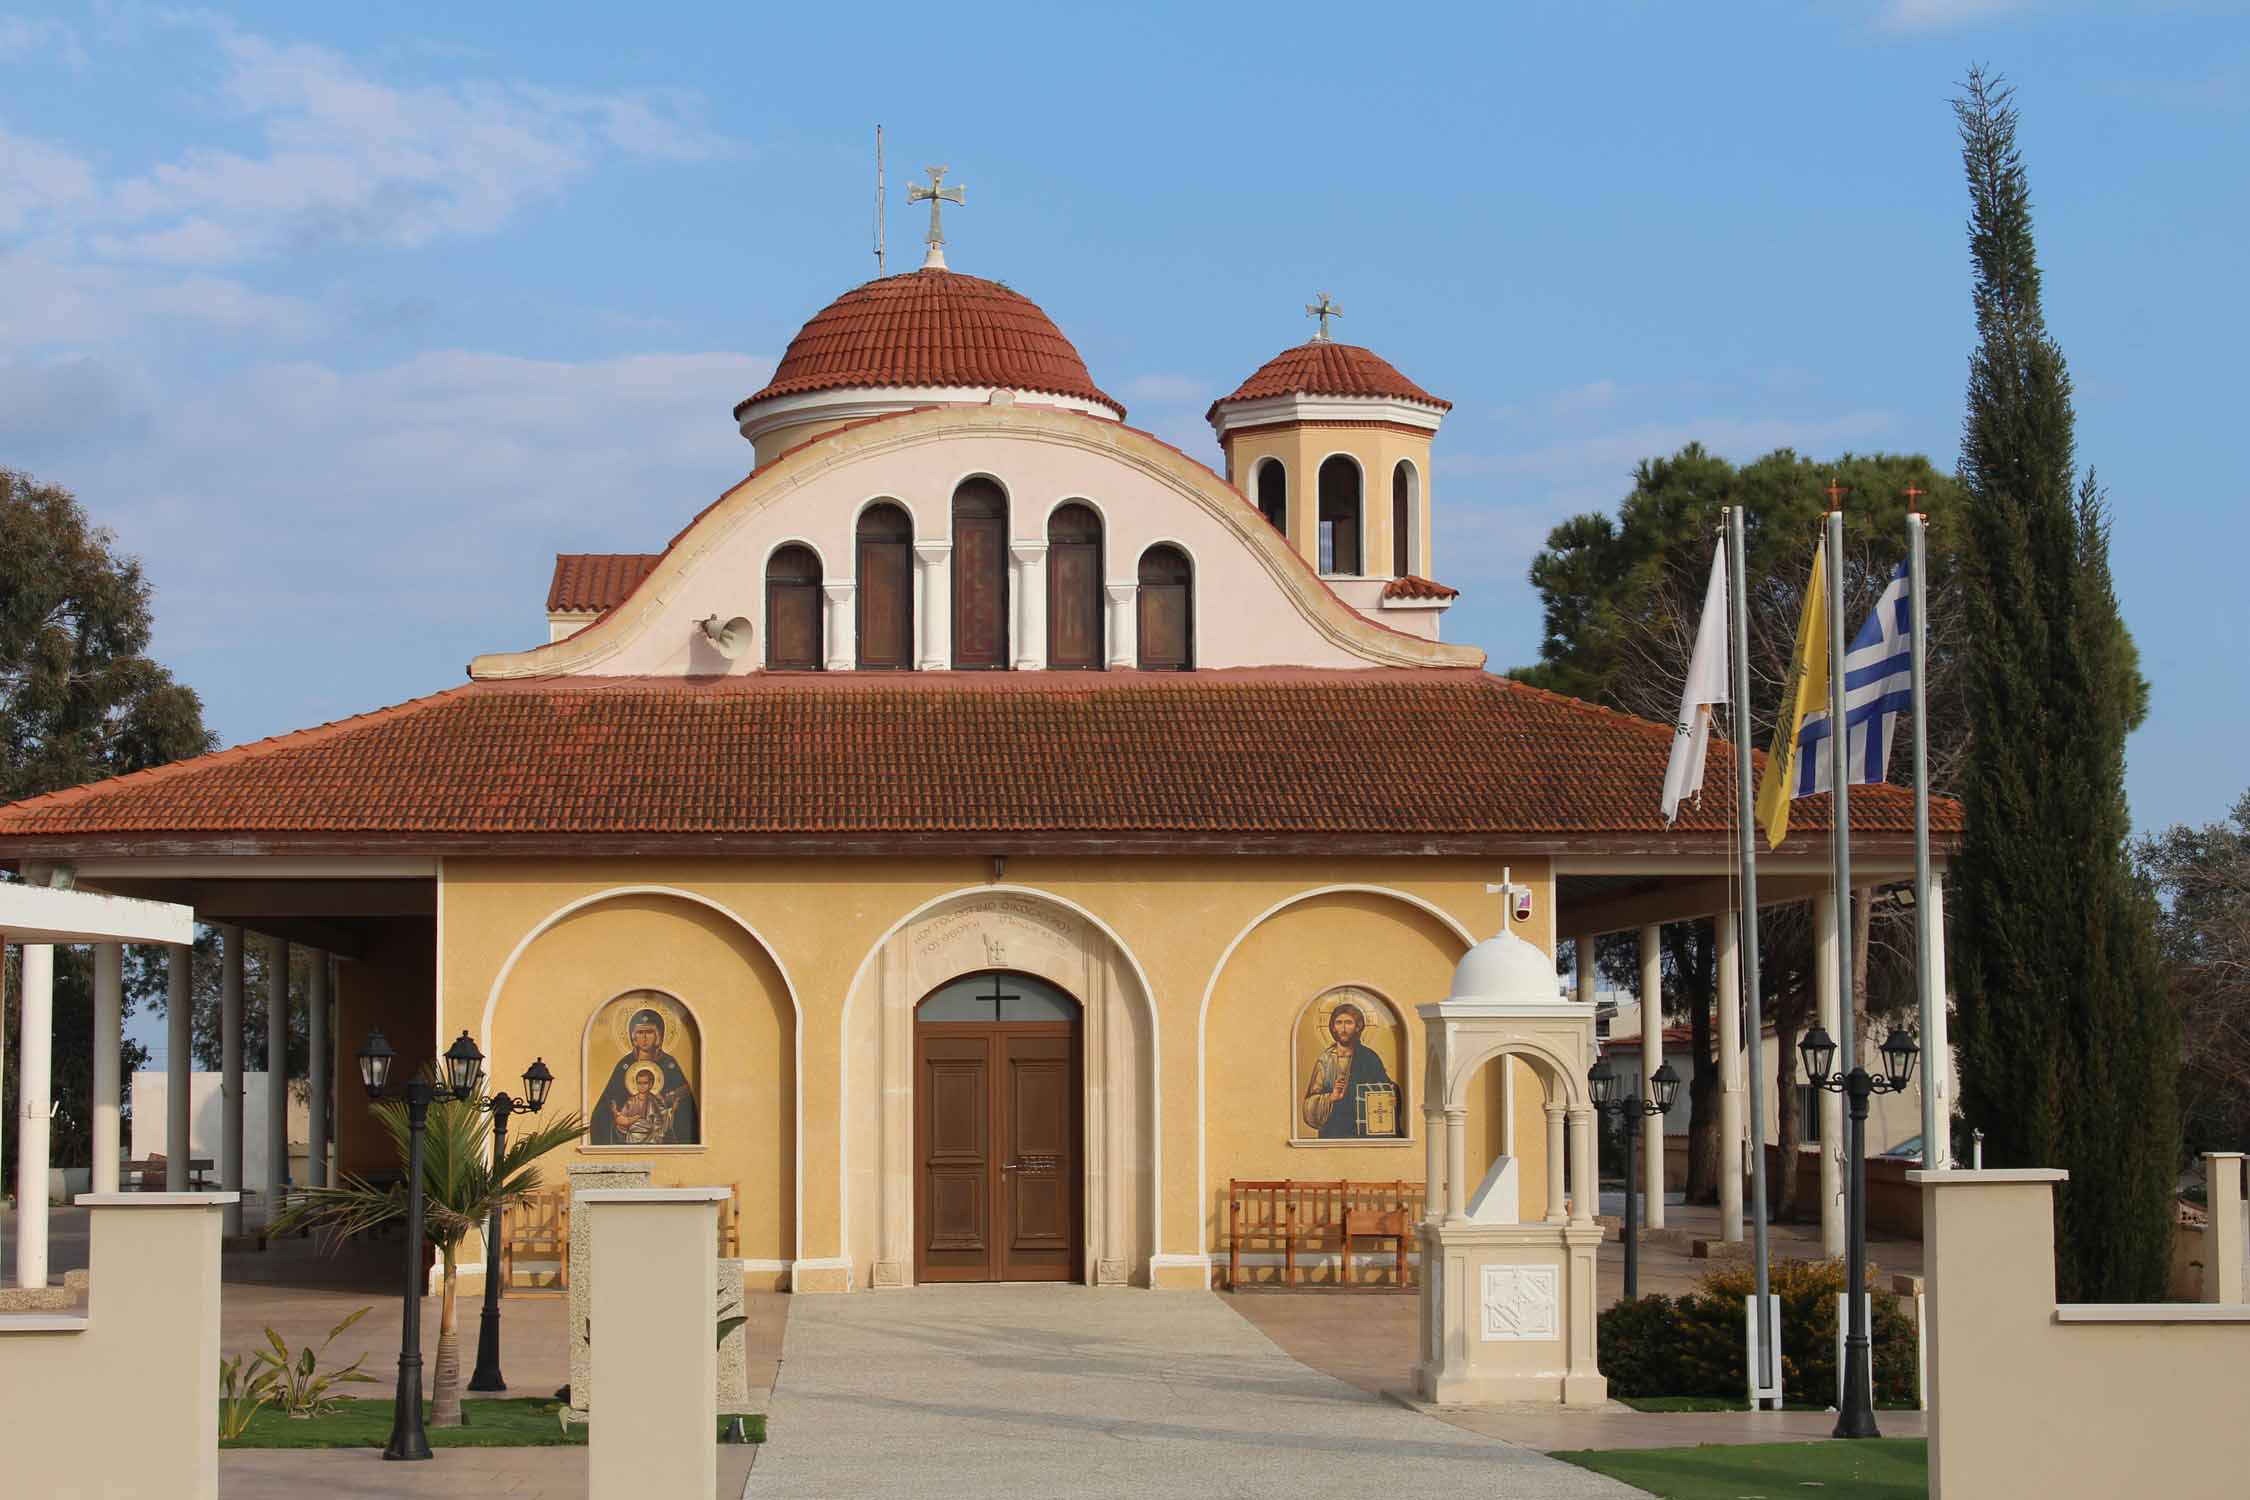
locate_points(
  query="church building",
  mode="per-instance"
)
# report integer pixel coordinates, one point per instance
(977, 836)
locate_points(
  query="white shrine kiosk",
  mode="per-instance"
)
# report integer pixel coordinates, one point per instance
(1507, 1308)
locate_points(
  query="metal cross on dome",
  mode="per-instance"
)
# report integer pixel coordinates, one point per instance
(937, 196)
(1323, 310)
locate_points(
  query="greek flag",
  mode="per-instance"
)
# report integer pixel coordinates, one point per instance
(1878, 686)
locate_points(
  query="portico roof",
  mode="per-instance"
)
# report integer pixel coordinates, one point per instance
(1282, 760)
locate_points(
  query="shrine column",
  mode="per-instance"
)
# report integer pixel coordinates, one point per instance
(1730, 1077)
(109, 1013)
(1558, 1194)
(1585, 1172)
(35, 1052)
(230, 1075)
(1456, 1163)
(1588, 975)
(1831, 1106)
(1124, 631)
(1652, 1058)
(277, 1076)
(843, 626)
(179, 1063)
(316, 1070)
(934, 560)
(1031, 604)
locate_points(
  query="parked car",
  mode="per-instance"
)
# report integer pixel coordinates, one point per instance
(1909, 1149)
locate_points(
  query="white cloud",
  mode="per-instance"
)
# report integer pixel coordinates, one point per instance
(39, 179)
(23, 37)
(53, 298)
(1908, 17)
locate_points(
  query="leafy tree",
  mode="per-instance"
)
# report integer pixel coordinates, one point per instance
(1623, 596)
(80, 700)
(460, 1190)
(2069, 1051)
(2202, 877)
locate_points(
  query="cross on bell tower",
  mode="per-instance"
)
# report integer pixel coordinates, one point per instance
(937, 196)
(1323, 310)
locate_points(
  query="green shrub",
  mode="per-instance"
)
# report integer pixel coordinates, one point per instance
(1693, 1345)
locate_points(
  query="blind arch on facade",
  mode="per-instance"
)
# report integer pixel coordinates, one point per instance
(1166, 621)
(1074, 589)
(980, 575)
(883, 567)
(794, 637)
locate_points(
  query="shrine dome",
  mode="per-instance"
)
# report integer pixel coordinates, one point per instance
(927, 337)
(1505, 970)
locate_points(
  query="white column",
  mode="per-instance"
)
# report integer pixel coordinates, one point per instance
(1731, 1101)
(843, 626)
(1831, 1106)
(1585, 1174)
(277, 1076)
(179, 1063)
(230, 1074)
(109, 1015)
(1558, 1192)
(935, 560)
(316, 1069)
(1457, 1164)
(1652, 1058)
(1937, 1056)
(1124, 625)
(1031, 604)
(1587, 974)
(35, 1051)
(1433, 1165)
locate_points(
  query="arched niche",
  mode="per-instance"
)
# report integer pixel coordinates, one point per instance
(644, 942)
(1020, 931)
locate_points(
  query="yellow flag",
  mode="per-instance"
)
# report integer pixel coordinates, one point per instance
(1806, 690)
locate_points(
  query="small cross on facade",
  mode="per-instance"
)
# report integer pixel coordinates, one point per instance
(937, 196)
(1323, 310)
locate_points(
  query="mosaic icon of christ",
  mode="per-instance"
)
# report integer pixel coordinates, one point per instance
(1344, 1074)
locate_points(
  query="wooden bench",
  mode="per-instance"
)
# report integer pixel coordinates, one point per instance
(537, 1228)
(1317, 1218)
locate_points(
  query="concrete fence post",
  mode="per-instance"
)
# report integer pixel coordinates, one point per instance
(654, 1338)
(2222, 1244)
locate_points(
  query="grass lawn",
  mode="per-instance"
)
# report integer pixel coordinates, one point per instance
(363, 1423)
(1875, 1469)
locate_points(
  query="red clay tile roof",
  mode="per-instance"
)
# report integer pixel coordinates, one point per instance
(1398, 760)
(1324, 368)
(931, 328)
(1410, 586)
(597, 580)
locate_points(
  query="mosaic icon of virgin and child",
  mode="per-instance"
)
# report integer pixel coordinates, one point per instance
(648, 1100)
(1350, 1094)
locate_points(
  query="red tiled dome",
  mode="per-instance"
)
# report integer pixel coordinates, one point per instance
(1322, 368)
(932, 327)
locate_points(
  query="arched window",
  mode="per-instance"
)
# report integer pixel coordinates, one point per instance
(1273, 494)
(1074, 589)
(793, 610)
(885, 570)
(980, 575)
(1339, 516)
(1403, 549)
(1167, 611)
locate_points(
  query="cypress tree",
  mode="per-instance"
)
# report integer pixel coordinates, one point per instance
(2068, 1049)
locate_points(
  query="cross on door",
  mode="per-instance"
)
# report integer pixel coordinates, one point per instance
(998, 994)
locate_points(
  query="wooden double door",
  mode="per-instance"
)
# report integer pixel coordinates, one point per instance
(997, 1190)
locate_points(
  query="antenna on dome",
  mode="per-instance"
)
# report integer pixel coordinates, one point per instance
(880, 270)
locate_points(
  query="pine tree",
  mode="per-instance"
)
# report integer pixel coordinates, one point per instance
(2069, 1054)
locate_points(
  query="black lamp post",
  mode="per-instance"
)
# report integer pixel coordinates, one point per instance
(536, 1081)
(464, 1069)
(1601, 1080)
(1856, 1417)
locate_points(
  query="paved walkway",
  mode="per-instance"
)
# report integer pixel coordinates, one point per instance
(1065, 1391)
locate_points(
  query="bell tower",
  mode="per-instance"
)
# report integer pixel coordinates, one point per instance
(1332, 444)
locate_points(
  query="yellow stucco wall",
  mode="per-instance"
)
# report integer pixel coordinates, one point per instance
(757, 947)
(1302, 448)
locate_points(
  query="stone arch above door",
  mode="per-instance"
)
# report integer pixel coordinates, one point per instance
(1029, 933)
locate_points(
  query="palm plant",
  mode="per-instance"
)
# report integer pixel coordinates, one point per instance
(460, 1191)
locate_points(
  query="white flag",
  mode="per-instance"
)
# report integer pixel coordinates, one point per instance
(1706, 685)
(1878, 687)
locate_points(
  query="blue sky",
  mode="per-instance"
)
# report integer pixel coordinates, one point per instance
(347, 320)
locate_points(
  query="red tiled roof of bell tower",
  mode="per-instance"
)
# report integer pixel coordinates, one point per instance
(1324, 368)
(932, 328)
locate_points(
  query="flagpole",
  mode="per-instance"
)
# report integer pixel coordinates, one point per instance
(1937, 1142)
(1746, 826)
(1840, 776)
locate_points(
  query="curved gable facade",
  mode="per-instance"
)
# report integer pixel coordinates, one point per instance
(1255, 603)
